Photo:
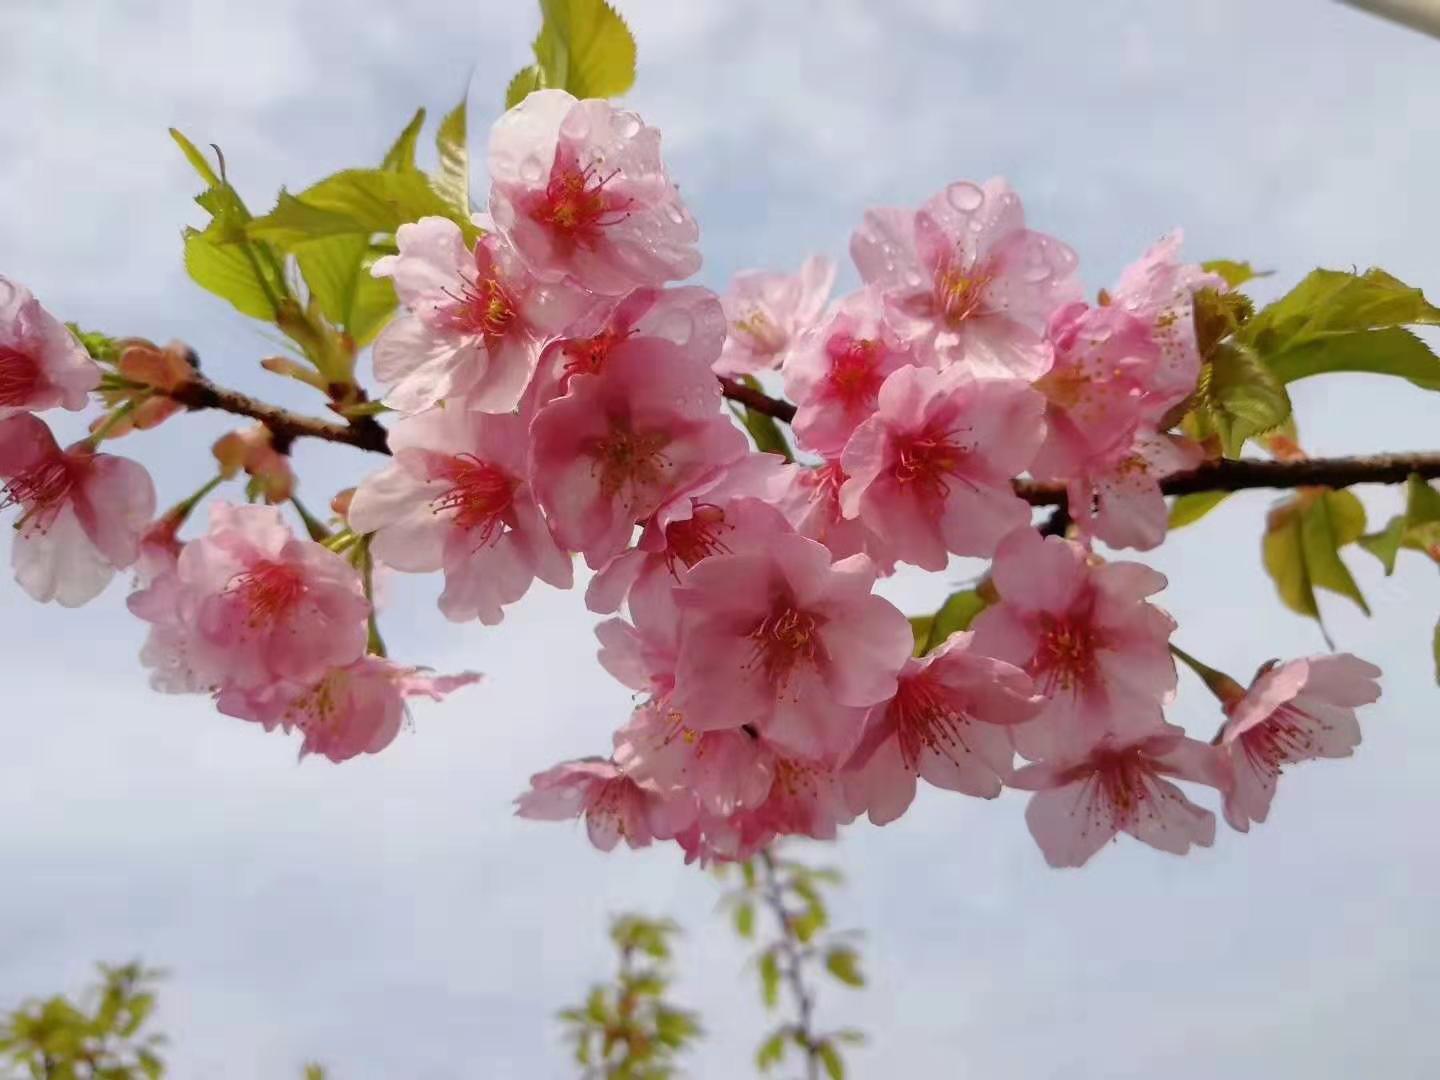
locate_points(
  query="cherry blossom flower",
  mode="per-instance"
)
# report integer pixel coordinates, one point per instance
(1082, 802)
(768, 312)
(1118, 498)
(261, 606)
(965, 276)
(689, 317)
(931, 471)
(725, 771)
(347, 711)
(1084, 632)
(643, 652)
(947, 724)
(42, 366)
(156, 600)
(580, 190)
(475, 321)
(456, 499)
(835, 373)
(1297, 711)
(613, 805)
(621, 443)
(788, 642)
(81, 513)
(810, 499)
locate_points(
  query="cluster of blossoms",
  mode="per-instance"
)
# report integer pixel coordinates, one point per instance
(555, 394)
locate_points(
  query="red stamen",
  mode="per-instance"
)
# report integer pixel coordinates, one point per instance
(269, 590)
(41, 492)
(696, 538)
(927, 461)
(854, 378)
(481, 494)
(19, 377)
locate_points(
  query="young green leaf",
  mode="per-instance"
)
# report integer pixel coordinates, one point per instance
(1188, 509)
(842, 962)
(1417, 529)
(336, 269)
(1302, 545)
(1391, 351)
(770, 979)
(232, 272)
(585, 47)
(401, 155)
(745, 919)
(354, 202)
(453, 179)
(830, 1057)
(956, 614)
(1235, 273)
(1239, 397)
(772, 1050)
(526, 81)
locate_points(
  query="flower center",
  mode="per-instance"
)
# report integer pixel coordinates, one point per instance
(480, 494)
(925, 462)
(1120, 791)
(1065, 659)
(586, 356)
(854, 377)
(961, 295)
(626, 458)
(482, 308)
(696, 538)
(785, 640)
(767, 335)
(41, 492)
(1287, 735)
(924, 720)
(268, 591)
(19, 376)
(319, 710)
(575, 203)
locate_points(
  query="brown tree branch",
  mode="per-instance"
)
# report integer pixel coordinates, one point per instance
(286, 426)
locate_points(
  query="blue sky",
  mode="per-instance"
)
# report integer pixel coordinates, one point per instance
(390, 917)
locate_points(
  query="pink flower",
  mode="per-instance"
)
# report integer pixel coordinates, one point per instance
(810, 499)
(347, 711)
(965, 276)
(725, 771)
(261, 606)
(621, 443)
(1116, 786)
(1118, 498)
(81, 513)
(456, 499)
(475, 320)
(42, 366)
(580, 190)
(931, 471)
(768, 312)
(1297, 711)
(785, 641)
(614, 807)
(947, 724)
(689, 318)
(642, 653)
(835, 373)
(1084, 632)
(157, 600)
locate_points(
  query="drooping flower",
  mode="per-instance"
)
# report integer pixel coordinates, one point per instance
(768, 312)
(613, 805)
(456, 499)
(42, 366)
(788, 642)
(931, 471)
(965, 276)
(580, 189)
(1297, 711)
(948, 724)
(725, 771)
(1082, 802)
(261, 606)
(1085, 633)
(621, 443)
(834, 374)
(475, 319)
(347, 711)
(81, 513)
(688, 317)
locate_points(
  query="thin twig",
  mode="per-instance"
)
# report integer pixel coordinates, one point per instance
(285, 426)
(791, 969)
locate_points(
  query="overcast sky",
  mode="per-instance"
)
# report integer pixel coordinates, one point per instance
(389, 916)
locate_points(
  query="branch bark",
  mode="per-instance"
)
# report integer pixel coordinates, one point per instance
(286, 426)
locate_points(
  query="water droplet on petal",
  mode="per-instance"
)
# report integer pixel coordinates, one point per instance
(627, 125)
(965, 197)
(532, 170)
(678, 326)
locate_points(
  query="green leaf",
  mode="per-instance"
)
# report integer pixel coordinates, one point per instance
(769, 979)
(101, 347)
(362, 202)
(1301, 548)
(337, 272)
(232, 272)
(920, 628)
(675, 1027)
(1235, 273)
(745, 919)
(852, 1036)
(763, 428)
(1385, 545)
(772, 1050)
(1188, 509)
(1391, 351)
(1417, 529)
(453, 180)
(808, 923)
(525, 82)
(584, 47)
(154, 1068)
(1240, 397)
(842, 962)
(830, 1057)
(196, 158)
(1334, 301)
(401, 155)
(956, 614)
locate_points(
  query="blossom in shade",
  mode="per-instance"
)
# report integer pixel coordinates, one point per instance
(42, 366)
(347, 711)
(834, 374)
(262, 606)
(965, 276)
(621, 443)
(475, 319)
(1297, 711)
(457, 499)
(725, 771)
(767, 313)
(580, 190)
(1084, 631)
(642, 653)
(81, 514)
(613, 805)
(947, 724)
(810, 499)
(931, 471)
(786, 641)
(688, 317)
(1117, 785)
